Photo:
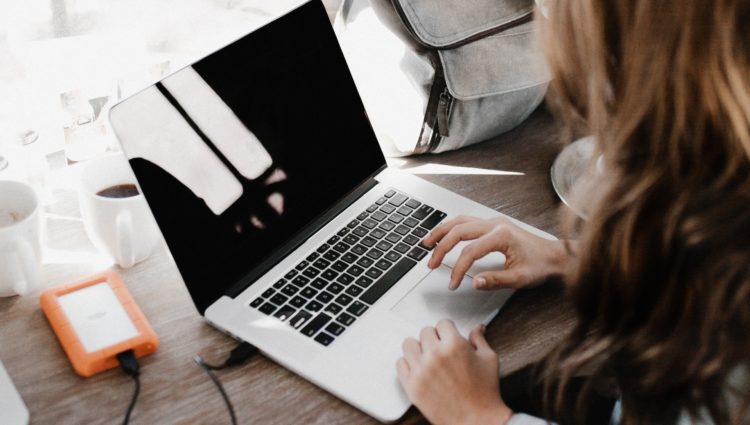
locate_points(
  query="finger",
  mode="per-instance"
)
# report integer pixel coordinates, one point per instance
(500, 279)
(446, 330)
(402, 369)
(493, 241)
(443, 228)
(477, 339)
(461, 232)
(428, 338)
(412, 351)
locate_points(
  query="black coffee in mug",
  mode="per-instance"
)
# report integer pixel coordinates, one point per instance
(119, 191)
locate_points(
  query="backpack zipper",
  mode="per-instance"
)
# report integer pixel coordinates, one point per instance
(444, 112)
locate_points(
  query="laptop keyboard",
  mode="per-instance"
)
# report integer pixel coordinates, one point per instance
(337, 283)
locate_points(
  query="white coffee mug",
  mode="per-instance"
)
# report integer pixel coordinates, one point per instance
(121, 227)
(20, 238)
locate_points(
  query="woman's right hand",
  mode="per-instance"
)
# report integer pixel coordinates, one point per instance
(529, 259)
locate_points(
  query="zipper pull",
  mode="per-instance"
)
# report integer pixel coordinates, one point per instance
(443, 112)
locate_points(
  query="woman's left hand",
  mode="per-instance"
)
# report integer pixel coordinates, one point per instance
(453, 380)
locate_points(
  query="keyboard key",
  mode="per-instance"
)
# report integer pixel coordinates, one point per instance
(291, 274)
(285, 312)
(369, 223)
(301, 265)
(308, 293)
(344, 299)
(349, 257)
(360, 231)
(279, 283)
(384, 245)
(355, 270)
(312, 257)
(256, 302)
(321, 264)
(362, 216)
(331, 255)
(385, 283)
(335, 329)
(339, 266)
(335, 288)
(417, 253)
(402, 248)
(393, 256)
(433, 220)
(300, 281)
(423, 212)
(343, 232)
(345, 279)
(411, 240)
(353, 290)
(396, 218)
(345, 319)
(393, 237)
(351, 239)
(377, 233)
(324, 297)
(419, 232)
(404, 210)
(298, 301)
(359, 249)
(373, 273)
(398, 199)
(267, 308)
(330, 275)
(324, 339)
(323, 248)
(381, 201)
(368, 241)
(316, 324)
(289, 290)
(267, 293)
(300, 319)
(383, 264)
(374, 253)
(357, 308)
(313, 306)
(352, 224)
(390, 193)
(279, 299)
(387, 226)
(378, 216)
(402, 230)
(364, 281)
(311, 272)
(319, 283)
(387, 209)
(372, 208)
(333, 240)
(333, 308)
(413, 203)
(411, 221)
(365, 262)
(341, 247)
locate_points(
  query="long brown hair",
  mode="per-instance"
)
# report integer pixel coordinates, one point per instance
(662, 278)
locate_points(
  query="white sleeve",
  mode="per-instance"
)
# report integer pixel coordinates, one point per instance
(523, 419)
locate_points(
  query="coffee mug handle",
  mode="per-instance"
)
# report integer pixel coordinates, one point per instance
(125, 245)
(28, 265)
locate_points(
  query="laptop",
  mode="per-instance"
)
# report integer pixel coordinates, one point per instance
(290, 232)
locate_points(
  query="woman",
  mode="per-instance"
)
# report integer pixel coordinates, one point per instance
(660, 278)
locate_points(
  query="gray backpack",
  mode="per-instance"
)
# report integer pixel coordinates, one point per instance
(473, 69)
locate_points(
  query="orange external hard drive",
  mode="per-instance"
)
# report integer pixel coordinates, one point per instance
(95, 320)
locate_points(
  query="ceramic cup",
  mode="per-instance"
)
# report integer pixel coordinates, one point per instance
(20, 238)
(122, 227)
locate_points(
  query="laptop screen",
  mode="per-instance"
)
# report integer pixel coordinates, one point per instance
(239, 152)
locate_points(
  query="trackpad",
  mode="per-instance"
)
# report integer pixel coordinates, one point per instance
(431, 300)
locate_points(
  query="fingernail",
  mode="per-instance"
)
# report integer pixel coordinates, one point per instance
(481, 282)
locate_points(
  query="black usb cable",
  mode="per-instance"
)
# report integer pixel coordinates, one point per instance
(130, 366)
(239, 355)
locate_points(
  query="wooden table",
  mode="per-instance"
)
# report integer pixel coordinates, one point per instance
(175, 390)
